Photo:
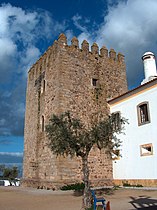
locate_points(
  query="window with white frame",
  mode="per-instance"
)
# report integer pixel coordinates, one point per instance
(146, 149)
(143, 113)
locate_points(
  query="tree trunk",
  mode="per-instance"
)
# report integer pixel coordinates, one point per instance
(87, 193)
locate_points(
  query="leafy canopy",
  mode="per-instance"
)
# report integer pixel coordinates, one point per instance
(9, 173)
(69, 136)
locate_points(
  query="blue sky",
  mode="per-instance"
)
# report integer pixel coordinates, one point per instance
(27, 28)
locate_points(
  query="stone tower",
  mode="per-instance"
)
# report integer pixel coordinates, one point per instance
(67, 78)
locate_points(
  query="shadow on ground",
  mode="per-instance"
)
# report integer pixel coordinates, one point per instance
(143, 203)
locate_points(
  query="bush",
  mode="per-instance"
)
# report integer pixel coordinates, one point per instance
(129, 185)
(76, 187)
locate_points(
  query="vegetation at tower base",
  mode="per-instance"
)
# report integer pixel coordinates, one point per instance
(69, 136)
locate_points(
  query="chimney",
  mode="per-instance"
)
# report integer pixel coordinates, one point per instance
(149, 67)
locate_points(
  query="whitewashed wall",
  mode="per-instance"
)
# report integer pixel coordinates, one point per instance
(132, 165)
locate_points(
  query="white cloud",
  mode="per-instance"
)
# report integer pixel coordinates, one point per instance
(80, 23)
(130, 27)
(84, 36)
(76, 20)
(8, 47)
(69, 34)
(130, 22)
(21, 34)
(20, 31)
(15, 154)
(28, 58)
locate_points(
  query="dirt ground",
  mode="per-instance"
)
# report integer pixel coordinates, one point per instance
(18, 198)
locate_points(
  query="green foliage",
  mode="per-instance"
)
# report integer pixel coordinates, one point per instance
(126, 184)
(2, 167)
(76, 186)
(117, 187)
(69, 136)
(9, 173)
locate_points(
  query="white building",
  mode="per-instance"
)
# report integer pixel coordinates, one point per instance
(137, 163)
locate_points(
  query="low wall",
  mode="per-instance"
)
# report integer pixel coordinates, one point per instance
(143, 182)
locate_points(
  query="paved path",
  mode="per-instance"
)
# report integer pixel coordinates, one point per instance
(18, 198)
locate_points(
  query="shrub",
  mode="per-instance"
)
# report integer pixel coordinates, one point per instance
(129, 185)
(76, 186)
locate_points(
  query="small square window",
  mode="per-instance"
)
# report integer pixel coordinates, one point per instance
(94, 82)
(146, 149)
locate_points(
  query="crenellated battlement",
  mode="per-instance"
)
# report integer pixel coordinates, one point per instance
(61, 44)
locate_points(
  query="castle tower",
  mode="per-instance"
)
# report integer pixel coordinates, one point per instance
(67, 78)
(149, 67)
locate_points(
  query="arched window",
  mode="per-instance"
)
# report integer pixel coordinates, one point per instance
(143, 113)
(43, 86)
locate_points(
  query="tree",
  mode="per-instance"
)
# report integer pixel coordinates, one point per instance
(10, 173)
(69, 136)
(2, 167)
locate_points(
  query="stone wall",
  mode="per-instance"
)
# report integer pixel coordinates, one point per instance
(79, 80)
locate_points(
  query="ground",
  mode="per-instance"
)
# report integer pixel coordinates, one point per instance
(18, 198)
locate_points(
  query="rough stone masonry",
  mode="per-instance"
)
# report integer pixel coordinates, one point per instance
(67, 78)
